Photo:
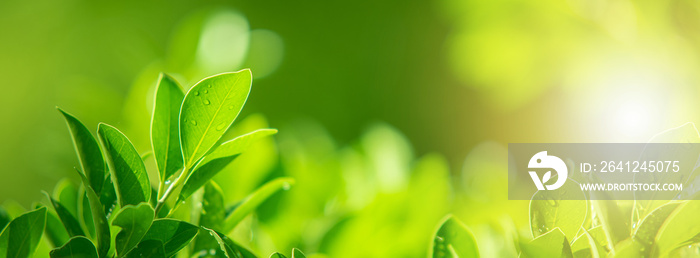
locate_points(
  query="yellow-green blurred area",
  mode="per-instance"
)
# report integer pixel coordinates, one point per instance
(392, 114)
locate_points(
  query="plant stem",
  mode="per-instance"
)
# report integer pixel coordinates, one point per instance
(169, 192)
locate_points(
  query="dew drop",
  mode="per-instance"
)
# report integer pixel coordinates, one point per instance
(206, 102)
(196, 93)
(209, 86)
(206, 91)
(212, 251)
(193, 122)
(167, 182)
(286, 186)
(230, 107)
(221, 127)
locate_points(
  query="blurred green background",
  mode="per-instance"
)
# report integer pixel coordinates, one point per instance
(379, 103)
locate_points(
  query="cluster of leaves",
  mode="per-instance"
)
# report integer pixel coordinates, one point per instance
(564, 228)
(115, 211)
(570, 223)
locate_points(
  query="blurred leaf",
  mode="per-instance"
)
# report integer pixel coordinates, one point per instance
(165, 130)
(680, 228)
(4, 218)
(126, 166)
(277, 255)
(648, 228)
(212, 216)
(219, 158)
(69, 221)
(453, 239)
(254, 200)
(172, 234)
(21, 237)
(615, 225)
(592, 247)
(67, 194)
(582, 242)
(55, 231)
(550, 244)
(99, 219)
(88, 151)
(598, 233)
(230, 248)
(565, 208)
(149, 248)
(248, 170)
(134, 221)
(13, 208)
(213, 210)
(686, 134)
(296, 253)
(209, 109)
(77, 247)
(629, 248)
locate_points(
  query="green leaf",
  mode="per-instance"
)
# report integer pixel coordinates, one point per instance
(680, 228)
(212, 216)
(230, 248)
(296, 253)
(165, 130)
(89, 154)
(85, 214)
(237, 145)
(214, 162)
(67, 194)
(69, 221)
(209, 109)
(4, 218)
(99, 219)
(565, 208)
(587, 246)
(128, 170)
(254, 200)
(687, 153)
(629, 248)
(173, 234)
(213, 211)
(202, 176)
(149, 248)
(582, 242)
(55, 231)
(134, 221)
(77, 247)
(108, 197)
(550, 244)
(21, 237)
(453, 239)
(615, 225)
(649, 227)
(277, 255)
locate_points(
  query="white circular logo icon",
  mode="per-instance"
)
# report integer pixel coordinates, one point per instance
(542, 160)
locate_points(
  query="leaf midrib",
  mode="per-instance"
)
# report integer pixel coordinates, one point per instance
(27, 235)
(194, 152)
